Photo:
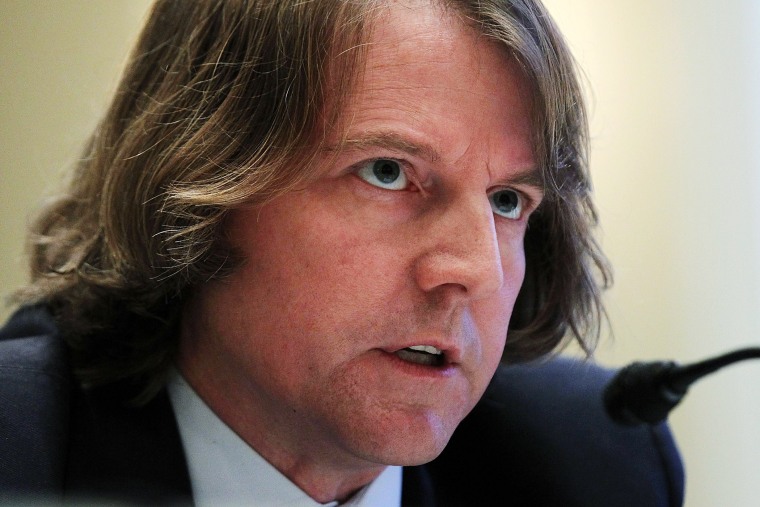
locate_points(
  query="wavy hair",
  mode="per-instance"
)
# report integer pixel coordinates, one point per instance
(221, 104)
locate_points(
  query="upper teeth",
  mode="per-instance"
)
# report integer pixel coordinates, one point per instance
(426, 348)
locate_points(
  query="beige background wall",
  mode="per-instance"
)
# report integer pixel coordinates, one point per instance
(60, 60)
(676, 160)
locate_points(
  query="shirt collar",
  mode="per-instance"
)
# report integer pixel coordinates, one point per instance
(224, 470)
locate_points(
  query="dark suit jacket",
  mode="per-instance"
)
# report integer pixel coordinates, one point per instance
(539, 437)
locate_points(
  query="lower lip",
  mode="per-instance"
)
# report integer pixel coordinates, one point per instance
(419, 370)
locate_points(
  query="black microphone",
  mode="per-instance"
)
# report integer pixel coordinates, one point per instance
(645, 393)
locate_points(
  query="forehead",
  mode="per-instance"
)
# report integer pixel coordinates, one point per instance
(425, 70)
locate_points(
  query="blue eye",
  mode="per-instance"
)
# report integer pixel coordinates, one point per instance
(384, 173)
(507, 203)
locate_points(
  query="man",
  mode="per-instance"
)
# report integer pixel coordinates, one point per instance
(309, 232)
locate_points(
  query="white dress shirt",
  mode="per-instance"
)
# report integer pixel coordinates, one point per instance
(224, 470)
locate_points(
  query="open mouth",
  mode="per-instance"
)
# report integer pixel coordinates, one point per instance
(425, 355)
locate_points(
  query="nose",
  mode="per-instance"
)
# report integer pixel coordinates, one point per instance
(462, 251)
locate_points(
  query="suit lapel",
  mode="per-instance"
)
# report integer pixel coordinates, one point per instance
(126, 453)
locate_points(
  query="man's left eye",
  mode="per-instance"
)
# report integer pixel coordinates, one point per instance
(384, 173)
(507, 203)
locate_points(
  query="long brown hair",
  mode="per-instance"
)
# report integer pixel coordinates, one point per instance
(220, 105)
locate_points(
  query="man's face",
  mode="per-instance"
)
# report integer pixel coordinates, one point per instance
(318, 348)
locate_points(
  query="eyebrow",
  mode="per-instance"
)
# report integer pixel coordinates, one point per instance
(390, 140)
(387, 140)
(531, 177)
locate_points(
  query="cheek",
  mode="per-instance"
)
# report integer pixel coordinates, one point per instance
(497, 311)
(320, 272)
(513, 267)
(514, 274)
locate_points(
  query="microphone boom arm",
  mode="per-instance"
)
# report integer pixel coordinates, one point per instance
(646, 392)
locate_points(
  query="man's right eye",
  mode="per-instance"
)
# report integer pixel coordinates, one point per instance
(384, 173)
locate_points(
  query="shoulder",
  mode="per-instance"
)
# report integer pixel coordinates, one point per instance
(540, 436)
(32, 355)
(34, 387)
(57, 439)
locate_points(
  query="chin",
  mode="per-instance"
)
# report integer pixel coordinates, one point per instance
(416, 457)
(409, 442)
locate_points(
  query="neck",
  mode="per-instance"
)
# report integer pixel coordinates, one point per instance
(324, 474)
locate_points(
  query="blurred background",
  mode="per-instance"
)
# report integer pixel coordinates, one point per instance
(674, 94)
